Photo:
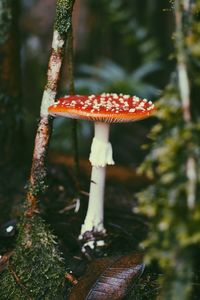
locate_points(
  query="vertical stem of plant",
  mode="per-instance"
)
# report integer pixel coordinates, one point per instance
(184, 85)
(38, 171)
(71, 62)
(183, 7)
(74, 122)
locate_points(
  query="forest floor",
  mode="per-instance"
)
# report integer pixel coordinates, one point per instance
(125, 230)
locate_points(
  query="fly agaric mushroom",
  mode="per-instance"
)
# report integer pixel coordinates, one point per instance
(102, 110)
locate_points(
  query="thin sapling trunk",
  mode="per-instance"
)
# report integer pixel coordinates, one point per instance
(38, 170)
(183, 8)
(74, 122)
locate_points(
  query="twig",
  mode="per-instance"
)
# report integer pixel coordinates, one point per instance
(71, 279)
(18, 281)
(75, 205)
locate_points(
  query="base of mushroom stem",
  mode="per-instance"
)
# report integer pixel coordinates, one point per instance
(92, 239)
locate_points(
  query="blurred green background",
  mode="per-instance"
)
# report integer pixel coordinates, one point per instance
(132, 47)
(119, 46)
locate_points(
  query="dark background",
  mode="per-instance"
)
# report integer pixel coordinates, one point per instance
(112, 39)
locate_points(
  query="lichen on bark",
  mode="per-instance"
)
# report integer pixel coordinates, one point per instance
(63, 16)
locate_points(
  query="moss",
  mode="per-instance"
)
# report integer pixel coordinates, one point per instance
(36, 270)
(39, 186)
(63, 16)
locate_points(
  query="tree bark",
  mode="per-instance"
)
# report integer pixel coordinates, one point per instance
(10, 85)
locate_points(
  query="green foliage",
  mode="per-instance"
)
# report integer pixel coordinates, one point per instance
(193, 44)
(111, 77)
(147, 287)
(174, 236)
(138, 51)
(122, 38)
(36, 270)
(174, 227)
(123, 17)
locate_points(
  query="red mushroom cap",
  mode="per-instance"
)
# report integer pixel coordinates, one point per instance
(110, 108)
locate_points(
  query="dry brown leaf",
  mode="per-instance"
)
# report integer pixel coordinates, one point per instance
(108, 278)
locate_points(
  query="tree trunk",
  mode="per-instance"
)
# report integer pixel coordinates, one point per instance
(182, 8)
(10, 90)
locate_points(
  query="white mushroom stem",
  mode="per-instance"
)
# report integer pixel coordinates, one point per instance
(100, 156)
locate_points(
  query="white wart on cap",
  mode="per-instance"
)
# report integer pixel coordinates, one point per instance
(108, 108)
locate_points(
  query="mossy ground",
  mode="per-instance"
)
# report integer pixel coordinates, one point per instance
(36, 269)
(40, 269)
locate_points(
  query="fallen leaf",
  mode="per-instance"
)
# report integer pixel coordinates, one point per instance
(109, 278)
